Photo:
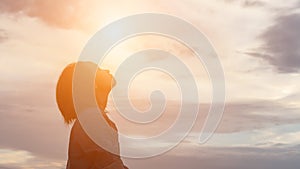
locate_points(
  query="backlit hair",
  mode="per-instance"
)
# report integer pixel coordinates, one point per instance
(64, 97)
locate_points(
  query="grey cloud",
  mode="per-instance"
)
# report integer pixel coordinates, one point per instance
(246, 116)
(251, 3)
(281, 44)
(247, 3)
(237, 117)
(195, 157)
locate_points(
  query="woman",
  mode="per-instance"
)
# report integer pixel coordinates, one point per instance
(83, 152)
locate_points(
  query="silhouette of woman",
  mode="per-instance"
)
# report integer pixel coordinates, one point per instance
(83, 152)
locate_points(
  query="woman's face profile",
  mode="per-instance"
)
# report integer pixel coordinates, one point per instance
(104, 83)
(104, 80)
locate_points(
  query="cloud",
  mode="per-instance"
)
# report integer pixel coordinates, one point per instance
(75, 14)
(19, 159)
(250, 115)
(31, 122)
(3, 35)
(13, 157)
(237, 117)
(281, 44)
(31, 61)
(191, 155)
(247, 3)
(251, 3)
(195, 157)
(64, 14)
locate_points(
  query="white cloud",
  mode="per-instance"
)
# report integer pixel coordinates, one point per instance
(14, 157)
(20, 159)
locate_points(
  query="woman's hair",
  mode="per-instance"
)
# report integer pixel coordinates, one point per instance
(64, 97)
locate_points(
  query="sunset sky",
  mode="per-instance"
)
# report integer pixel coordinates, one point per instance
(257, 42)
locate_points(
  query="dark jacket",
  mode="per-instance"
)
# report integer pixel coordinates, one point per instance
(85, 154)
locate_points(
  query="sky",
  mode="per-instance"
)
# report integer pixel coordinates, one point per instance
(257, 44)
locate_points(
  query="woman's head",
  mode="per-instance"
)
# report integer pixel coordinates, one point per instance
(104, 81)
